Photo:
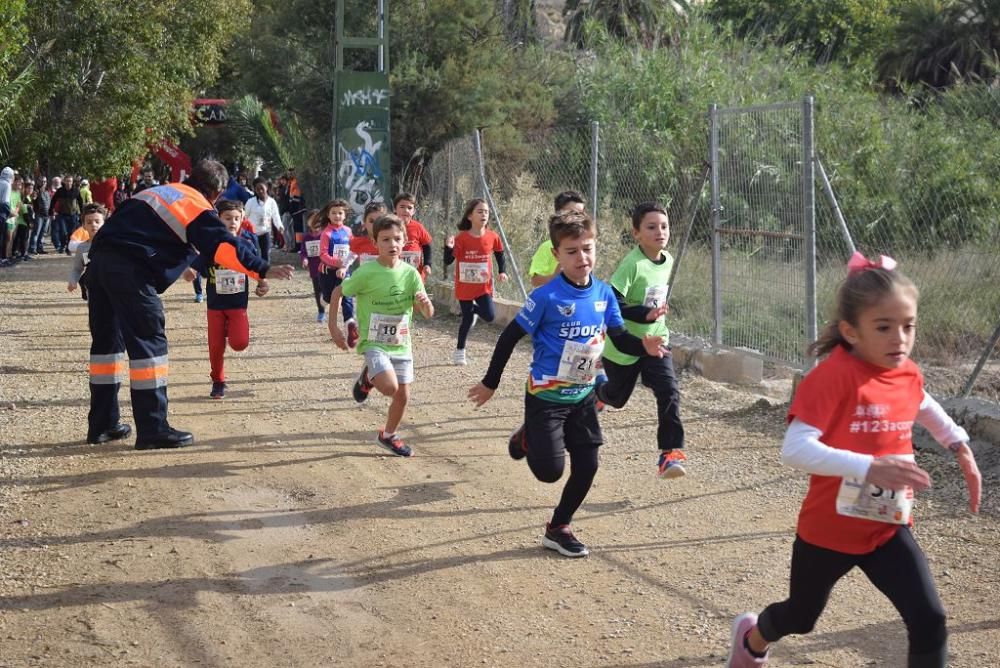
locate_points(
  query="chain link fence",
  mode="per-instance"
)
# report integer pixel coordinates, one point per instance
(945, 235)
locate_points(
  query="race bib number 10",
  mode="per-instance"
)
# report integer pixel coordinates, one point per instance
(392, 330)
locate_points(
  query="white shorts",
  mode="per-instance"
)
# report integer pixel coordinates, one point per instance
(378, 361)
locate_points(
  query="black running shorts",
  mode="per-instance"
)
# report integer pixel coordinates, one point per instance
(551, 428)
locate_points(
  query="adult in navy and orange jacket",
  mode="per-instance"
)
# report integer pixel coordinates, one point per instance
(140, 251)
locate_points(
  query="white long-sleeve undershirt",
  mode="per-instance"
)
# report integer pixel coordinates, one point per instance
(803, 450)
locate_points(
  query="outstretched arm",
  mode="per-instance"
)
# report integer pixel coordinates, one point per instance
(512, 333)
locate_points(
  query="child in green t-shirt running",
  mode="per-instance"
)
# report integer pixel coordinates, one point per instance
(385, 292)
(544, 266)
(641, 283)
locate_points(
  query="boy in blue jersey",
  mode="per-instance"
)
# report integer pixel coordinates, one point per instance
(567, 319)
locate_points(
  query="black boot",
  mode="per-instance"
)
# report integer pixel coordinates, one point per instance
(116, 433)
(171, 438)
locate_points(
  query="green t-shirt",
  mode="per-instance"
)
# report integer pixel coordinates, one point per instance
(641, 281)
(15, 201)
(384, 305)
(543, 262)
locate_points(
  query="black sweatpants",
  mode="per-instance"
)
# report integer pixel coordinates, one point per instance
(658, 375)
(552, 430)
(898, 569)
(126, 315)
(481, 306)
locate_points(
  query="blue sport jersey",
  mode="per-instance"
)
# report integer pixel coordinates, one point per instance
(567, 325)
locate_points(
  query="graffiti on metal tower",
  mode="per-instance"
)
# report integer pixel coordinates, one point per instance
(362, 139)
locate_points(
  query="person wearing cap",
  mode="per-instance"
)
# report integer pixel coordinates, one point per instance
(85, 194)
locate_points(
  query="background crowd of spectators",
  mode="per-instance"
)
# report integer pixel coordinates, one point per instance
(36, 211)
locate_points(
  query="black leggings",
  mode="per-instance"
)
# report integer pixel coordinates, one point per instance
(658, 375)
(481, 306)
(898, 569)
(552, 430)
(317, 293)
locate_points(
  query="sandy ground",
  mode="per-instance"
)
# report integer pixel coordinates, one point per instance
(284, 537)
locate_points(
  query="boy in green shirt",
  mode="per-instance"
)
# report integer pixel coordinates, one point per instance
(544, 266)
(385, 293)
(640, 283)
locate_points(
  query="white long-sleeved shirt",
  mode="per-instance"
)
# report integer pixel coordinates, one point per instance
(803, 450)
(262, 214)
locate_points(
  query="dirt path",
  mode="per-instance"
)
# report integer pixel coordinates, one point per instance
(285, 538)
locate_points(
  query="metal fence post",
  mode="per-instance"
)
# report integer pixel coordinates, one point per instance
(594, 157)
(693, 208)
(969, 384)
(713, 167)
(809, 213)
(835, 205)
(478, 142)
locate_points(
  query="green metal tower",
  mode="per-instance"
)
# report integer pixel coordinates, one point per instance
(361, 148)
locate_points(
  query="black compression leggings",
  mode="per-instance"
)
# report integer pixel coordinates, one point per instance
(483, 307)
(898, 569)
(317, 293)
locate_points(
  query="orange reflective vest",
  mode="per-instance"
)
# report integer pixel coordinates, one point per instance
(176, 204)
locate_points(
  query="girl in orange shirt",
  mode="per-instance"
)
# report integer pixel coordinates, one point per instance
(850, 426)
(474, 270)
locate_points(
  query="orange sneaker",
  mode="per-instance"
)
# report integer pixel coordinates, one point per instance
(671, 464)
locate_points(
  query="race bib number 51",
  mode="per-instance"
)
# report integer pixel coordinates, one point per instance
(856, 498)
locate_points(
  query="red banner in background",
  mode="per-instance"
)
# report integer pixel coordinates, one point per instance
(178, 161)
(209, 111)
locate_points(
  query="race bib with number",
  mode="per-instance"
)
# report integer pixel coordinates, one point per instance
(413, 258)
(341, 252)
(473, 272)
(580, 362)
(312, 248)
(655, 297)
(856, 498)
(228, 282)
(392, 330)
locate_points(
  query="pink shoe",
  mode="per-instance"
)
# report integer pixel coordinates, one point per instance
(739, 657)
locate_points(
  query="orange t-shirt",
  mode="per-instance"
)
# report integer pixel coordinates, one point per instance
(364, 248)
(863, 408)
(474, 264)
(417, 237)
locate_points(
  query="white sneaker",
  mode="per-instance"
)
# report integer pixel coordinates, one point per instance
(458, 359)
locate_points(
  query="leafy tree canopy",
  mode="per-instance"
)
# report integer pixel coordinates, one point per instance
(453, 67)
(826, 29)
(112, 77)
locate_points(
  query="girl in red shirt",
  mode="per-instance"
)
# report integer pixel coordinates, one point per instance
(363, 247)
(850, 426)
(471, 251)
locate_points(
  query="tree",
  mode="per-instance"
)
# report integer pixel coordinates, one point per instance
(114, 77)
(831, 29)
(453, 68)
(939, 43)
(14, 77)
(640, 21)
